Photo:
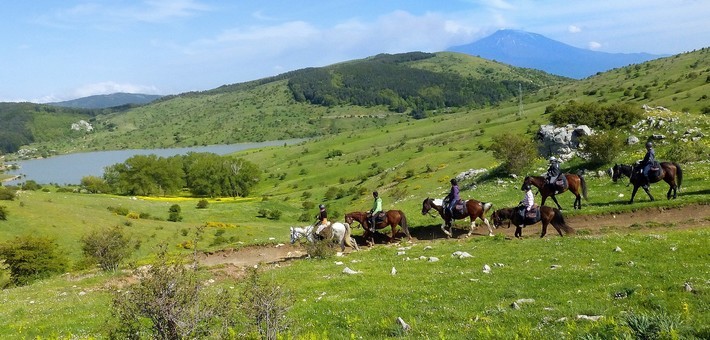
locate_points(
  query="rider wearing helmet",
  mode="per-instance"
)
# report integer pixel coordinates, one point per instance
(376, 208)
(553, 171)
(453, 196)
(648, 161)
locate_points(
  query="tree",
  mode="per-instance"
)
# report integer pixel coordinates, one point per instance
(174, 213)
(515, 151)
(31, 258)
(108, 247)
(94, 184)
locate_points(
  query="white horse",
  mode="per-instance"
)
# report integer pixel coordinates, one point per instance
(340, 232)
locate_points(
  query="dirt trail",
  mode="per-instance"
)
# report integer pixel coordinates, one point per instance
(234, 262)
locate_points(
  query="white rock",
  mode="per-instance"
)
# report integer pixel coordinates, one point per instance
(433, 259)
(589, 317)
(347, 270)
(486, 269)
(338, 263)
(617, 249)
(393, 271)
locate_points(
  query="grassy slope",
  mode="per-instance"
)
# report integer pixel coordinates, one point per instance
(449, 144)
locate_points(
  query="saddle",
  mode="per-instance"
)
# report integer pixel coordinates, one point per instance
(560, 183)
(529, 217)
(380, 217)
(459, 208)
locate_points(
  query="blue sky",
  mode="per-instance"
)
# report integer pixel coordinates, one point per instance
(60, 50)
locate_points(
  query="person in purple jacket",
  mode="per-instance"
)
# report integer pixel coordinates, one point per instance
(453, 196)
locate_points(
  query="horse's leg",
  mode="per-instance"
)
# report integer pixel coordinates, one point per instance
(394, 232)
(544, 198)
(633, 193)
(544, 228)
(473, 226)
(518, 231)
(443, 227)
(558, 203)
(488, 224)
(646, 189)
(578, 201)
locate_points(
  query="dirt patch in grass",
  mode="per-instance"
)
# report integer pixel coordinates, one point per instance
(233, 262)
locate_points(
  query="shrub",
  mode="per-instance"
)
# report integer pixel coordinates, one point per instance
(170, 302)
(174, 213)
(597, 116)
(3, 213)
(31, 258)
(7, 194)
(602, 147)
(94, 184)
(265, 305)
(31, 185)
(514, 151)
(687, 152)
(202, 204)
(5, 275)
(107, 247)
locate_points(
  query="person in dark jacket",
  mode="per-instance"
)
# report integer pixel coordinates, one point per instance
(648, 161)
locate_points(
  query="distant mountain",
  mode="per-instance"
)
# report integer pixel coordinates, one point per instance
(525, 49)
(108, 100)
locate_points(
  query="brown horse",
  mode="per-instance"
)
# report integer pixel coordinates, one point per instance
(669, 173)
(547, 215)
(475, 209)
(393, 218)
(575, 184)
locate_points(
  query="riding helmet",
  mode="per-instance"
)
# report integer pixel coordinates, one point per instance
(321, 206)
(649, 144)
(525, 187)
(374, 193)
(454, 181)
(553, 159)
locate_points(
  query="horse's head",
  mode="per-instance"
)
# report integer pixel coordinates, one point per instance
(615, 173)
(426, 205)
(349, 219)
(498, 218)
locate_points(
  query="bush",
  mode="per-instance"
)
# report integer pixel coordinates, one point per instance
(5, 275)
(515, 151)
(174, 213)
(3, 213)
(602, 147)
(7, 194)
(265, 305)
(108, 247)
(596, 116)
(202, 204)
(31, 185)
(94, 184)
(32, 258)
(687, 152)
(170, 302)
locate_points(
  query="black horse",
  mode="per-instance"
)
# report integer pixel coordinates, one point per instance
(670, 172)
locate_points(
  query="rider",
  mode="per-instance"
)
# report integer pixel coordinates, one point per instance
(528, 200)
(553, 172)
(321, 218)
(648, 161)
(376, 208)
(453, 196)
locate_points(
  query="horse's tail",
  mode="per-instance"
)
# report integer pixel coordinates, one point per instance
(559, 221)
(404, 225)
(584, 186)
(678, 173)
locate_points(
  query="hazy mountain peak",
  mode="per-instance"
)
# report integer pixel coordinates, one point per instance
(532, 50)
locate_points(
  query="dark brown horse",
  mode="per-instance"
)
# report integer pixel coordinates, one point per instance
(669, 173)
(575, 184)
(393, 218)
(547, 215)
(475, 209)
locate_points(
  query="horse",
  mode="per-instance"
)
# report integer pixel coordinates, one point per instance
(474, 209)
(575, 184)
(393, 218)
(547, 215)
(669, 173)
(340, 232)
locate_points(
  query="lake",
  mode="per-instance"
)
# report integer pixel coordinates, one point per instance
(69, 169)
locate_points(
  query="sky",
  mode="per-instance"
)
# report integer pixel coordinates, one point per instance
(61, 50)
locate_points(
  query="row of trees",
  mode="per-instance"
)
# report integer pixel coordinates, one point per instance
(203, 174)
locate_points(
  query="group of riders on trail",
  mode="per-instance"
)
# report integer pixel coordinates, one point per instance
(526, 209)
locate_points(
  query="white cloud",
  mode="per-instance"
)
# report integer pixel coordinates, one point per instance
(593, 45)
(574, 29)
(109, 87)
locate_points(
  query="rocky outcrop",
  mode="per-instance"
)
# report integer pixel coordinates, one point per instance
(561, 142)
